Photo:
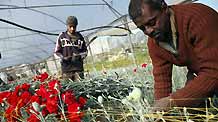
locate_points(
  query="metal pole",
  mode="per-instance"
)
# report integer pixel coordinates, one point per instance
(91, 54)
(130, 41)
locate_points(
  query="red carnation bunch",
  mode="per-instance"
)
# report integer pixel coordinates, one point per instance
(39, 103)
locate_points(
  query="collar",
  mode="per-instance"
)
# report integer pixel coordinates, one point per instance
(72, 36)
(173, 46)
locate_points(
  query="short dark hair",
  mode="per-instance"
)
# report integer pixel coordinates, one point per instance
(135, 6)
(72, 20)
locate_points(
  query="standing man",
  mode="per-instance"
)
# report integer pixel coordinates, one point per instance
(72, 50)
(183, 35)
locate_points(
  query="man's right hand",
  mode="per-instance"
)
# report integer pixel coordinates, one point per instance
(67, 58)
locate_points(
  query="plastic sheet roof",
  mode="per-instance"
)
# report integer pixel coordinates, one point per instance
(21, 46)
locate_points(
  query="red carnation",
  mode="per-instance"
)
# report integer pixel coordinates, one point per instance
(4, 95)
(25, 86)
(68, 97)
(54, 85)
(74, 114)
(52, 105)
(42, 91)
(13, 99)
(25, 98)
(144, 65)
(82, 101)
(35, 99)
(12, 114)
(42, 77)
(135, 70)
(33, 118)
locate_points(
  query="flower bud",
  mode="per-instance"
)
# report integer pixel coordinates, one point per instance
(36, 106)
(100, 99)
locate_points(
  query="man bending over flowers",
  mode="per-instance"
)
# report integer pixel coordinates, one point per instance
(183, 35)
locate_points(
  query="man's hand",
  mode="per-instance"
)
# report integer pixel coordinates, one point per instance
(162, 104)
(65, 58)
(84, 55)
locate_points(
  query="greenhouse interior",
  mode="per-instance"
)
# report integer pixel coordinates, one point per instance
(118, 83)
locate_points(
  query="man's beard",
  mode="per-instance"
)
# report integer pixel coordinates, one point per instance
(160, 36)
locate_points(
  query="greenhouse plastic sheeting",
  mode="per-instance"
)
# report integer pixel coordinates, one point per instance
(21, 46)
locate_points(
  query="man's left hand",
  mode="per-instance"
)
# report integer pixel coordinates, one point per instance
(162, 104)
(83, 55)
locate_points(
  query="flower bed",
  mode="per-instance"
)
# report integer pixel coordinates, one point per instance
(116, 95)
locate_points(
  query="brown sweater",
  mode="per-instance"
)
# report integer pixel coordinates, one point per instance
(197, 27)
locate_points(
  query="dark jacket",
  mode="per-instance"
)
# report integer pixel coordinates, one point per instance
(70, 47)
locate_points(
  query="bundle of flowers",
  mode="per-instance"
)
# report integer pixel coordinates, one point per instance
(118, 95)
(40, 101)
